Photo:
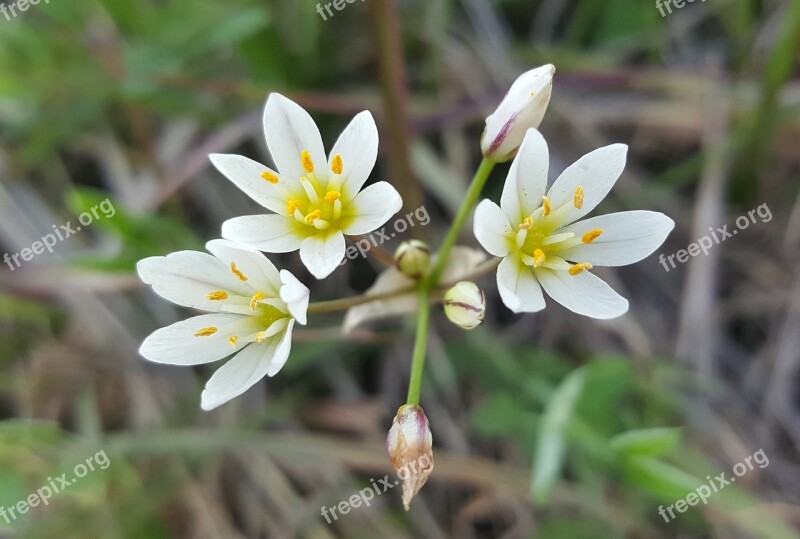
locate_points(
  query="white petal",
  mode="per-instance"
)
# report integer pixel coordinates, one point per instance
(282, 352)
(596, 172)
(270, 233)
(492, 229)
(246, 369)
(178, 345)
(627, 237)
(246, 174)
(585, 293)
(371, 208)
(322, 253)
(358, 147)
(289, 130)
(261, 273)
(296, 295)
(186, 277)
(389, 281)
(519, 289)
(527, 178)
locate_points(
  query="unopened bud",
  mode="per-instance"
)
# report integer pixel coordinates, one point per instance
(413, 258)
(522, 108)
(465, 305)
(409, 445)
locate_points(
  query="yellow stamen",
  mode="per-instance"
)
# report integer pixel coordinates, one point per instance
(526, 224)
(592, 235)
(219, 295)
(232, 339)
(332, 196)
(578, 268)
(239, 274)
(292, 205)
(337, 165)
(255, 299)
(313, 216)
(546, 205)
(205, 332)
(260, 336)
(308, 163)
(270, 177)
(578, 199)
(538, 258)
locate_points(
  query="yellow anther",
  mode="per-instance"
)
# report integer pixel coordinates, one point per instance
(255, 299)
(332, 196)
(308, 163)
(526, 224)
(337, 165)
(205, 332)
(260, 336)
(546, 205)
(219, 295)
(578, 268)
(313, 216)
(578, 199)
(239, 274)
(270, 177)
(292, 205)
(232, 340)
(592, 235)
(538, 258)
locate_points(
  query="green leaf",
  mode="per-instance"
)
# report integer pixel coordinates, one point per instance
(551, 444)
(646, 442)
(660, 478)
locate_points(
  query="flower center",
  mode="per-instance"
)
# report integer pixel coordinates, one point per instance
(265, 314)
(539, 242)
(319, 204)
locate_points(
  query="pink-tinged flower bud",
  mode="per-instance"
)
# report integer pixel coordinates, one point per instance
(409, 445)
(522, 108)
(465, 305)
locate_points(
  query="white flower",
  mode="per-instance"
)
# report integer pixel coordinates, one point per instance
(315, 200)
(523, 107)
(462, 261)
(543, 244)
(254, 308)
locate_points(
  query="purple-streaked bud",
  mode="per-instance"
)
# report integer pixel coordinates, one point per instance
(465, 305)
(409, 445)
(523, 107)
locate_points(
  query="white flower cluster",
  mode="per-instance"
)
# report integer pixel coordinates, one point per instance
(315, 200)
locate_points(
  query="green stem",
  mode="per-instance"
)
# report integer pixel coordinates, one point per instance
(420, 346)
(474, 191)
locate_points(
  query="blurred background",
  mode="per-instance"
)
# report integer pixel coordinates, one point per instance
(548, 425)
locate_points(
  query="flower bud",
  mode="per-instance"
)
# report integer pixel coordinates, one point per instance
(465, 305)
(522, 108)
(409, 445)
(413, 258)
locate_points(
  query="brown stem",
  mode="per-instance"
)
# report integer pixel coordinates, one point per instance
(386, 23)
